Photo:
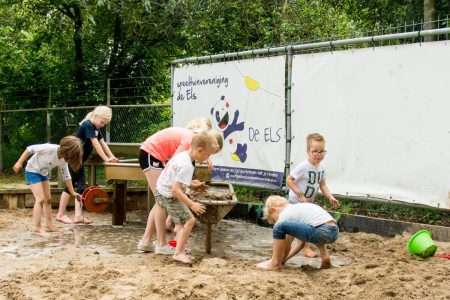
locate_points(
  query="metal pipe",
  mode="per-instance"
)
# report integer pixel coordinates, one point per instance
(279, 50)
(83, 107)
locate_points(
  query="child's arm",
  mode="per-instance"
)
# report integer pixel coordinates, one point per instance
(18, 165)
(108, 151)
(327, 193)
(177, 192)
(71, 190)
(99, 149)
(293, 187)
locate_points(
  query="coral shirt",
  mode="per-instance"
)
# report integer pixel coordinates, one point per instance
(167, 142)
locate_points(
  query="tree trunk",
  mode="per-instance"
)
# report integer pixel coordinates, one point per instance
(429, 15)
(78, 41)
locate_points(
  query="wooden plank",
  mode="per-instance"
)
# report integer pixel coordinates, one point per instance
(123, 171)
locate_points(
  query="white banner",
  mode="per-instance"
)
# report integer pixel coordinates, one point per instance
(385, 113)
(245, 101)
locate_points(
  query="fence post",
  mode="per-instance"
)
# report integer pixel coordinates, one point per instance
(1, 136)
(108, 103)
(289, 136)
(49, 121)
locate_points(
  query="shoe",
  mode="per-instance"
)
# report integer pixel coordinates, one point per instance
(145, 247)
(164, 250)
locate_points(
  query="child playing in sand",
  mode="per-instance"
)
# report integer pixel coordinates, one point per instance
(305, 221)
(91, 137)
(171, 185)
(307, 177)
(45, 157)
(153, 156)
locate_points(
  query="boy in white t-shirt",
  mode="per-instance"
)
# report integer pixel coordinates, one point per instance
(170, 189)
(307, 177)
(304, 221)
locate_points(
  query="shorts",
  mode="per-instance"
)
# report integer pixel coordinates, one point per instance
(148, 161)
(78, 180)
(33, 178)
(175, 209)
(322, 234)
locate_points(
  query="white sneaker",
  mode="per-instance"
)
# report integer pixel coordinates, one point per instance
(164, 250)
(145, 247)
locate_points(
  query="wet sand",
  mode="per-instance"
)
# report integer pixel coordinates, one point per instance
(100, 262)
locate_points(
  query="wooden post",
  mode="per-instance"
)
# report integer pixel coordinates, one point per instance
(208, 238)
(120, 195)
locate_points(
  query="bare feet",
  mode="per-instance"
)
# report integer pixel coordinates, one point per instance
(52, 228)
(64, 219)
(308, 252)
(82, 220)
(267, 265)
(40, 232)
(326, 263)
(182, 258)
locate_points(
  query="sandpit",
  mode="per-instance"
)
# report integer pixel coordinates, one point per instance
(100, 262)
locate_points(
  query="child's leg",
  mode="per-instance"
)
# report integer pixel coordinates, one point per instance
(160, 224)
(152, 176)
(182, 237)
(150, 228)
(61, 214)
(47, 207)
(308, 251)
(278, 255)
(296, 248)
(38, 193)
(326, 261)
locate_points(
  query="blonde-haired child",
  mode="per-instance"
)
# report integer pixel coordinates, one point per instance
(171, 185)
(305, 221)
(91, 138)
(154, 154)
(199, 124)
(44, 157)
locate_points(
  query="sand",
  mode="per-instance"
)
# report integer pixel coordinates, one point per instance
(99, 262)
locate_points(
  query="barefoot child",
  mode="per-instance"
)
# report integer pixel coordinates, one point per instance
(171, 185)
(307, 177)
(45, 157)
(305, 221)
(155, 152)
(91, 138)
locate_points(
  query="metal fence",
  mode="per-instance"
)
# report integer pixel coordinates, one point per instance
(22, 124)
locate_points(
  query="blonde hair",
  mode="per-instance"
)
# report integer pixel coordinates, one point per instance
(101, 111)
(199, 124)
(271, 203)
(218, 137)
(313, 137)
(204, 140)
(71, 150)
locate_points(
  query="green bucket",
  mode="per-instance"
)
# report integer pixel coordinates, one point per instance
(421, 244)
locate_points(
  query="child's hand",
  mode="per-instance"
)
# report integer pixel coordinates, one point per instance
(197, 208)
(17, 167)
(197, 183)
(334, 202)
(77, 196)
(113, 159)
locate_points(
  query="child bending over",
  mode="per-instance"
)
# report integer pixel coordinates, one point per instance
(171, 185)
(44, 157)
(305, 221)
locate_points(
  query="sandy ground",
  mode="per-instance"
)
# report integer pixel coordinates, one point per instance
(100, 262)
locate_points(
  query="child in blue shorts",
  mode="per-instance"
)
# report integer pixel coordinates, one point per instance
(44, 157)
(305, 221)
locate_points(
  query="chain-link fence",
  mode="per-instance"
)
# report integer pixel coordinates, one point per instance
(135, 116)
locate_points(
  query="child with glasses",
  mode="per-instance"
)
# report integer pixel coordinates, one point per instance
(305, 180)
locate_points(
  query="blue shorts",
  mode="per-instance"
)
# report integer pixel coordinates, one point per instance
(32, 178)
(322, 234)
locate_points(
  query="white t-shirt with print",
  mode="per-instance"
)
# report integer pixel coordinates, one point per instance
(44, 158)
(308, 213)
(178, 169)
(307, 178)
